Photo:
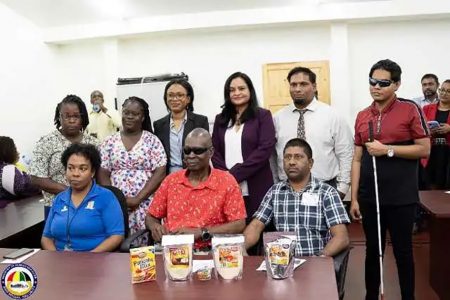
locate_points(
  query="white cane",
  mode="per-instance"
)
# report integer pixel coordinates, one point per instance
(377, 203)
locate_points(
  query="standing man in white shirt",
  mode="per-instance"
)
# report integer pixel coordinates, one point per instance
(103, 122)
(328, 134)
(430, 85)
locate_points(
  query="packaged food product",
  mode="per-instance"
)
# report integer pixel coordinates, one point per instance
(143, 264)
(279, 257)
(228, 255)
(177, 251)
(204, 274)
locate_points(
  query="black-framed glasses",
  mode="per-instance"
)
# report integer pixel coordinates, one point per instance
(381, 83)
(196, 150)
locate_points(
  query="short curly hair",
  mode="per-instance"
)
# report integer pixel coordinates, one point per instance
(8, 150)
(88, 151)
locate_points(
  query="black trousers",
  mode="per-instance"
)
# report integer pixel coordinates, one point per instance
(399, 221)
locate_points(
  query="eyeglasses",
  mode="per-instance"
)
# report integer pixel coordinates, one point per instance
(176, 96)
(68, 117)
(197, 151)
(444, 91)
(381, 83)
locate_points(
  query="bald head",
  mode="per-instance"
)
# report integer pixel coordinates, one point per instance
(200, 135)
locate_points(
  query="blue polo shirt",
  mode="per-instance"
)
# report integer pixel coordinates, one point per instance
(83, 228)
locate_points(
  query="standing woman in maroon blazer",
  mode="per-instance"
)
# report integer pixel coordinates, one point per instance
(243, 140)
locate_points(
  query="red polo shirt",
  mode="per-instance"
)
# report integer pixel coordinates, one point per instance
(399, 123)
(216, 201)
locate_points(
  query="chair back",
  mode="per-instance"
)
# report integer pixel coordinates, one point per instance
(123, 205)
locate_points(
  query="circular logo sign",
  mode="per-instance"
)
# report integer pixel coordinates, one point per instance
(19, 281)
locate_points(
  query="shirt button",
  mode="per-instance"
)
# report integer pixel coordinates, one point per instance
(296, 209)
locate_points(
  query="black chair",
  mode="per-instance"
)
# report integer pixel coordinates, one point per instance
(340, 260)
(123, 205)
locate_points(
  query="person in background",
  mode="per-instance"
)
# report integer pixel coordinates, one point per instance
(430, 85)
(134, 161)
(200, 200)
(399, 139)
(328, 134)
(46, 170)
(437, 167)
(244, 139)
(14, 184)
(173, 128)
(103, 122)
(86, 216)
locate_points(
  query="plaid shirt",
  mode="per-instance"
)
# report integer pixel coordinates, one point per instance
(309, 213)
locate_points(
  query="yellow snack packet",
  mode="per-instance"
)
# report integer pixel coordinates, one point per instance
(143, 264)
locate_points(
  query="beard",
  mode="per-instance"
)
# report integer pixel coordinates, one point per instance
(300, 101)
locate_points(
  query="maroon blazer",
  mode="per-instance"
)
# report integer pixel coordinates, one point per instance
(258, 142)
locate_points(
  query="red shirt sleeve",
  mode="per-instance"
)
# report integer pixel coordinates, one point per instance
(158, 207)
(419, 127)
(234, 207)
(358, 139)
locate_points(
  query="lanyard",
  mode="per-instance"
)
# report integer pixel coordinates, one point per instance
(68, 246)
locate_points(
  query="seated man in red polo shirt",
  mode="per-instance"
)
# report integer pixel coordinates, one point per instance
(200, 200)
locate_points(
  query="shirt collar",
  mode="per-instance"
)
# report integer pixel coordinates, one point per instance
(311, 185)
(212, 182)
(184, 120)
(66, 194)
(375, 111)
(311, 106)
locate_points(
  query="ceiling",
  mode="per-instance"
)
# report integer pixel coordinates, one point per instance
(55, 13)
(51, 13)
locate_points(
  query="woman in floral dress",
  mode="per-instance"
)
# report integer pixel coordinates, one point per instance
(134, 161)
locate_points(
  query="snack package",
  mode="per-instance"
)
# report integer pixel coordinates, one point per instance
(228, 255)
(143, 264)
(279, 257)
(177, 253)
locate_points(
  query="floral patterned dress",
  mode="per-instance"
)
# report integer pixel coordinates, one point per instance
(130, 170)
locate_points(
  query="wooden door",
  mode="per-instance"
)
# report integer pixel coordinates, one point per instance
(276, 85)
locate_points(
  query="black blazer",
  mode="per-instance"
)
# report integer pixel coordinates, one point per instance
(162, 130)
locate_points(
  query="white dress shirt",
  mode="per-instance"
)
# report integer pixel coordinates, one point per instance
(233, 152)
(329, 136)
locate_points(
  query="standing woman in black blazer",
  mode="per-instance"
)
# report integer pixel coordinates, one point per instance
(173, 128)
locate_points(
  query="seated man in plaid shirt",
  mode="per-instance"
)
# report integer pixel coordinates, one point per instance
(304, 205)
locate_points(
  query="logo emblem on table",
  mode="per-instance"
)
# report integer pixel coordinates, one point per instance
(19, 281)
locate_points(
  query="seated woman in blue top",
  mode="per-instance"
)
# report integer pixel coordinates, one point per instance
(86, 216)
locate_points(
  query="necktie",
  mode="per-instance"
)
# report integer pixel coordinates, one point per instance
(301, 124)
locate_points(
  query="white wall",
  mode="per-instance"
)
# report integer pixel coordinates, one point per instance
(418, 47)
(210, 57)
(27, 79)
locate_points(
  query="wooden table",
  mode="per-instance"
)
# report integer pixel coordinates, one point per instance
(70, 275)
(437, 203)
(21, 223)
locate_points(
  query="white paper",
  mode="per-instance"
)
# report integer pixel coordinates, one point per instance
(20, 259)
(447, 192)
(178, 239)
(200, 264)
(297, 263)
(227, 239)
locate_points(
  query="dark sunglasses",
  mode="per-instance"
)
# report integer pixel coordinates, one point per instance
(197, 151)
(381, 83)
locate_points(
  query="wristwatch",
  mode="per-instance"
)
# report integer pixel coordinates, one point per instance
(206, 236)
(390, 152)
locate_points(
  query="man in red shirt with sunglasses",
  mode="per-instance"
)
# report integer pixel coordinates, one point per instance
(199, 200)
(398, 139)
